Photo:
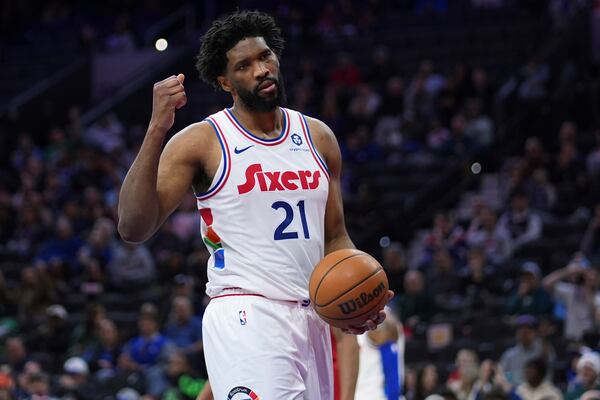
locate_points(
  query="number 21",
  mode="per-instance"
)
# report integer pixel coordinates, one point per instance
(289, 217)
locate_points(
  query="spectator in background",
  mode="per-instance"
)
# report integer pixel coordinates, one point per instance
(182, 382)
(53, 336)
(35, 293)
(38, 387)
(530, 297)
(478, 281)
(428, 382)
(529, 346)
(394, 264)
(61, 248)
(590, 244)
(465, 359)
(485, 233)
(541, 192)
(345, 73)
(576, 286)
(415, 305)
(478, 126)
(364, 105)
(534, 77)
(146, 349)
(445, 233)
(15, 354)
(588, 374)
(442, 274)
(132, 267)
(102, 355)
(359, 148)
(458, 143)
(534, 157)
(535, 386)
(184, 330)
(522, 223)
(86, 332)
(75, 382)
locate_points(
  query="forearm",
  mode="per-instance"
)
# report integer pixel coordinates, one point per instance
(206, 393)
(338, 242)
(138, 199)
(554, 277)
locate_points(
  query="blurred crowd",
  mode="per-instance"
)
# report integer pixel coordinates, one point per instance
(85, 315)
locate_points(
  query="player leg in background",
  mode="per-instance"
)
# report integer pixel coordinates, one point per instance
(345, 369)
(381, 366)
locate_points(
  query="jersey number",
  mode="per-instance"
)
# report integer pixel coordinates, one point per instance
(289, 217)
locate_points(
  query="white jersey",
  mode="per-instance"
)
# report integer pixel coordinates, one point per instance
(263, 215)
(380, 370)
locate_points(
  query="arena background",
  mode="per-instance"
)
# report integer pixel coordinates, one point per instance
(469, 133)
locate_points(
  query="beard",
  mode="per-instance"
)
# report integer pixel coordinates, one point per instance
(253, 100)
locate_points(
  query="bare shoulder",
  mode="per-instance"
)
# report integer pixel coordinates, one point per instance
(193, 142)
(325, 141)
(320, 131)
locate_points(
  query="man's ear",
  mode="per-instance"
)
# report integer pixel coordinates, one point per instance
(224, 83)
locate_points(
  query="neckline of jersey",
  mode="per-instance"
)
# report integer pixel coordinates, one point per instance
(245, 131)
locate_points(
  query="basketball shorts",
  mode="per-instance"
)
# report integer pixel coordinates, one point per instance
(266, 349)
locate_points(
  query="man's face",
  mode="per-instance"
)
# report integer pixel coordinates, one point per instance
(587, 376)
(526, 335)
(253, 75)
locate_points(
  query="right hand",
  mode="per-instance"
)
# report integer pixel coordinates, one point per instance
(168, 96)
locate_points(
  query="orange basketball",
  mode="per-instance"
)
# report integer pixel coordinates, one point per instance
(347, 287)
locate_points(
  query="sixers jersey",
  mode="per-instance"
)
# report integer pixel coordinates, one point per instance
(263, 215)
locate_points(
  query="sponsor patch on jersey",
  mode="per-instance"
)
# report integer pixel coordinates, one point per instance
(296, 139)
(242, 393)
(272, 181)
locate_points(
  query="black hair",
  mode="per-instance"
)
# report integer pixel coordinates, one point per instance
(226, 32)
(539, 364)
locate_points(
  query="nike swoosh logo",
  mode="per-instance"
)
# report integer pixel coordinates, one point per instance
(238, 151)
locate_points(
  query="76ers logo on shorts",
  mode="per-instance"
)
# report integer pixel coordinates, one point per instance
(242, 393)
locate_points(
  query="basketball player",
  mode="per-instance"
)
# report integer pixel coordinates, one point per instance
(267, 183)
(381, 366)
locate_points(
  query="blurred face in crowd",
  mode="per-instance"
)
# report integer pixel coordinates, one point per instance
(443, 261)
(476, 261)
(413, 282)
(393, 258)
(182, 308)
(465, 358)
(430, 378)
(529, 281)
(587, 376)
(148, 326)
(488, 218)
(108, 333)
(533, 376)
(520, 203)
(15, 350)
(253, 75)
(526, 336)
(177, 364)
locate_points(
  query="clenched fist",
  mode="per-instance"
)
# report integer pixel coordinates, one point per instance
(169, 95)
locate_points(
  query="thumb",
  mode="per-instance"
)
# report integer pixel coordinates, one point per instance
(181, 78)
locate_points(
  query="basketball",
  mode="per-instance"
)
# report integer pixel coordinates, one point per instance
(347, 287)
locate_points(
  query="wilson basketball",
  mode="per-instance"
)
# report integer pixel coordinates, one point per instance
(347, 287)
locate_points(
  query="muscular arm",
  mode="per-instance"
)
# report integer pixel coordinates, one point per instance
(157, 182)
(336, 236)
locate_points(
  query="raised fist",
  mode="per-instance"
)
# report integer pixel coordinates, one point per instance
(168, 96)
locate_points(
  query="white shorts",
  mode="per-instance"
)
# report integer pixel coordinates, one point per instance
(266, 349)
